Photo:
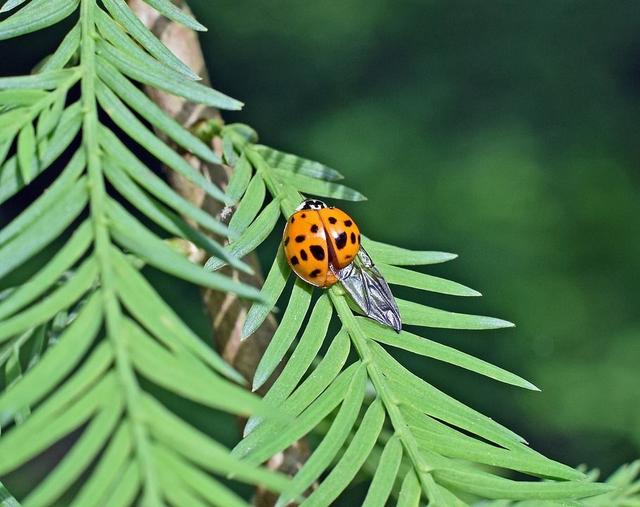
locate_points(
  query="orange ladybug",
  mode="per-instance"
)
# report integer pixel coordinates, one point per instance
(322, 246)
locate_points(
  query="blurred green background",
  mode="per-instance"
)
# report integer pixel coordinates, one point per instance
(504, 131)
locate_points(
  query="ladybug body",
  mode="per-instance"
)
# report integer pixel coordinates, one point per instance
(319, 241)
(322, 246)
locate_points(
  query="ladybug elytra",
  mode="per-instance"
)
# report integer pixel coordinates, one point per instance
(323, 246)
(317, 238)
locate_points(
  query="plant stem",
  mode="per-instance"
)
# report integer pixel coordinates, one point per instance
(98, 200)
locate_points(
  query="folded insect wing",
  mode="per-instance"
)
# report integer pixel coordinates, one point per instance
(370, 292)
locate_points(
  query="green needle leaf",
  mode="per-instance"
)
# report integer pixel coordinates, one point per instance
(137, 131)
(112, 462)
(249, 207)
(65, 132)
(197, 447)
(195, 480)
(164, 217)
(396, 256)
(41, 205)
(410, 491)
(194, 92)
(297, 165)
(239, 180)
(416, 314)
(169, 10)
(189, 379)
(429, 348)
(61, 298)
(148, 109)
(136, 28)
(400, 276)
(352, 460)
(57, 362)
(79, 457)
(36, 15)
(492, 486)
(322, 377)
(416, 392)
(39, 234)
(271, 290)
(332, 441)
(385, 474)
(251, 238)
(65, 51)
(41, 81)
(27, 152)
(128, 485)
(285, 334)
(21, 97)
(133, 235)
(10, 5)
(6, 499)
(29, 439)
(128, 162)
(145, 304)
(322, 188)
(276, 435)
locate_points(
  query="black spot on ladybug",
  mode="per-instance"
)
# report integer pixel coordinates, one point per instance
(314, 273)
(358, 238)
(303, 254)
(294, 260)
(348, 256)
(293, 219)
(353, 238)
(304, 215)
(317, 251)
(341, 240)
(314, 228)
(300, 238)
(332, 220)
(286, 241)
(348, 223)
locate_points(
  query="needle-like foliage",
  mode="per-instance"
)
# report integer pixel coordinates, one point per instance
(83, 336)
(82, 331)
(428, 445)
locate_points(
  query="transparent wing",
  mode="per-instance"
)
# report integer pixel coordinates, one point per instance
(369, 291)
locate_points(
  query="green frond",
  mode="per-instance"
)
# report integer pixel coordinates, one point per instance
(85, 334)
(435, 441)
(83, 330)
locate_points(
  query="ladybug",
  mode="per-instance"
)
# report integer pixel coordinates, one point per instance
(322, 245)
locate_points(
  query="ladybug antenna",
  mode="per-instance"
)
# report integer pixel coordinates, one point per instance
(311, 204)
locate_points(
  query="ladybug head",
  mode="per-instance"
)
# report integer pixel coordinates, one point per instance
(311, 204)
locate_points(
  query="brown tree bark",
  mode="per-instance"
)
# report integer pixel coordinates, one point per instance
(227, 312)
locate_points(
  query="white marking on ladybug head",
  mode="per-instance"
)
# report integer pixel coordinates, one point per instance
(311, 204)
